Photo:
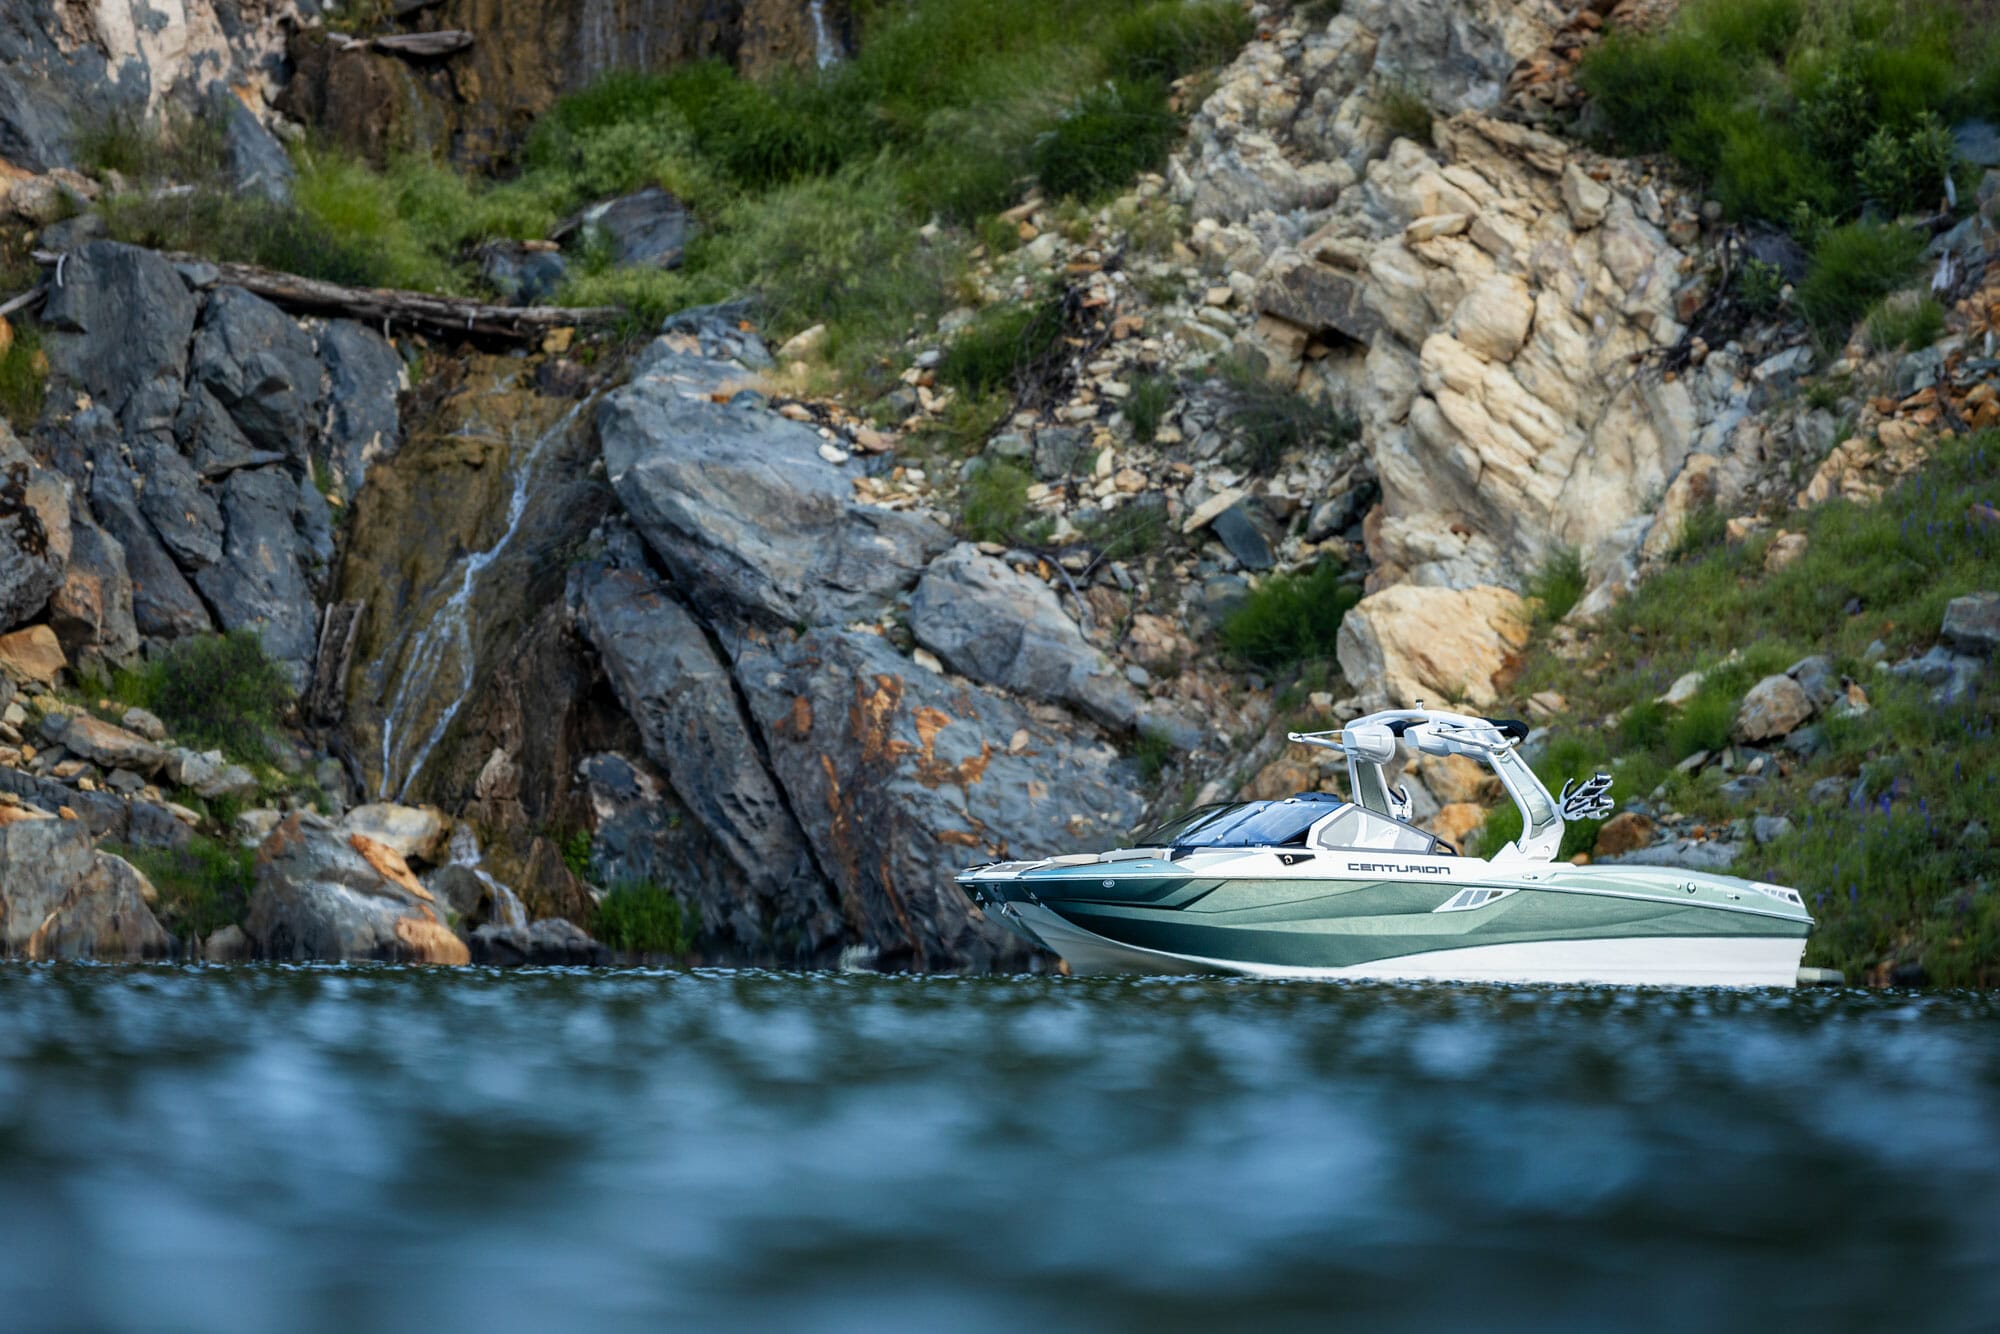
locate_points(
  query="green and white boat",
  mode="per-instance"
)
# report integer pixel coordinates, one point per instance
(1320, 886)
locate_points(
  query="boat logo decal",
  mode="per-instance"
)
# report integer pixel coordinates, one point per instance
(1409, 868)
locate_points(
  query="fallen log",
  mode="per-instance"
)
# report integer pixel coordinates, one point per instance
(377, 305)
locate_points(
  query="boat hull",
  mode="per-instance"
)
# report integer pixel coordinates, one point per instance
(1676, 961)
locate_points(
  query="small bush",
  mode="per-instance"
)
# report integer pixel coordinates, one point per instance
(1166, 40)
(1560, 582)
(1146, 406)
(1905, 173)
(1854, 267)
(1291, 618)
(1272, 419)
(1906, 321)
(1702, 724)
(1137, 528)
(217, 691)
(1644, 725)
(203, 887)
(1644, 87)
(992, 353)
(24, 377)
(1152, 751)
(995, 506)
(1114, 132)
(1406, 114)
(644, 918)
(576, 847)
(1760, 286)
(1701, 531)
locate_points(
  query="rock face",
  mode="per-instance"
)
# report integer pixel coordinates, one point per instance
(842, 782)
(196, 421)
(1439, 645)
(1478, 300)
(62, 899)
(35, 541)
(324, 895)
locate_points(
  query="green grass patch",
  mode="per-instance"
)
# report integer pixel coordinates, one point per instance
(1558, 585)
(219, 691)
(1137, 528)
(643, 918)
(1290, 619)
(1114, 131)
(203, 887)
(995, 508)
(994, 352)
(1152, 751)
(1147, 406)
(1405, 112)
(1701, 724)
(24, 377)
(1167, 40)
(1854, 267)
(1905, 321)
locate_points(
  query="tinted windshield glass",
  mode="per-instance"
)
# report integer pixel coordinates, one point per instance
(1170, 833)
(1256, 824)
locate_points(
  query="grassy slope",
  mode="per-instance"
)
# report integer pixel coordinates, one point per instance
(1890, 875)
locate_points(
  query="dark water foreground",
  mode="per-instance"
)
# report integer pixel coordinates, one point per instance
(263, 1149)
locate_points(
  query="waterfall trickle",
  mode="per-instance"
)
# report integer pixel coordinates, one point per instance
(508, 910)
(825, 53)
(447, 639)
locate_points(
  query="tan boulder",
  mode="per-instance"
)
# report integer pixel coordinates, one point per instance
(1439, 645)
(1627, 831)
(1495, 316)
(1784, 549)
(1457, 822)
(1774, 708)
(417, 833)
(1282, 777)
(1454, 779)
(32, 656)
(110, 745)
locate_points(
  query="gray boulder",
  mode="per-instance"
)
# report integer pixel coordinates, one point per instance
(522, 276)
(118, 329)
(62, 899)
(363, 376)
(258, 164)
(1972, 623)
(552, 942)
(649, 228)
(320, 896)
(1239, 533)
(260, 583)
(104, 744)
(262, 367)
(994, 624)
(209, 436)
(748, 517)
(34, 532)
(182, 513)
(900, 777)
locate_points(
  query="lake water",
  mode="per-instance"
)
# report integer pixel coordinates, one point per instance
(340, 1148)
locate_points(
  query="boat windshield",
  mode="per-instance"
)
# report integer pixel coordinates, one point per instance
(1243, 824)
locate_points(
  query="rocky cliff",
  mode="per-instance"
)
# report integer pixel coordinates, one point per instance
(579, 612)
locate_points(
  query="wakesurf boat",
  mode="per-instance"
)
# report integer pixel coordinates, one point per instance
(1321, 886)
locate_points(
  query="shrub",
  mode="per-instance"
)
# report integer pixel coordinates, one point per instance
(1702, 530)
(1146, 406)
(1272, 419)
(1702, 724)
(1166, 40)
(1133, 529)
(203, 887)
(1905, 173)
(1152, 751)
(1291, 618)
(1559, 584)
(993, 352)
(213, 690)
(24, 376)
(995, 506)
(1905, 321)
(1644, 725)
(1854, 267)
(1760, 286)
(1113, 132)
(1405, 113)
(1643, 87)
(644, 918)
